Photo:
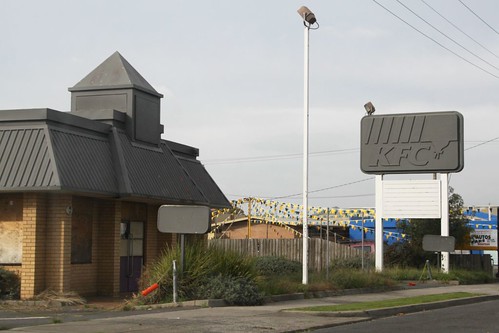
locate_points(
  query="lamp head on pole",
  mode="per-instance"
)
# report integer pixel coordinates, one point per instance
(308, 16)
(369, 108)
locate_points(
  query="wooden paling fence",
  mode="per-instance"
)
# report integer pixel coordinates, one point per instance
(475, 262)
(290, 249)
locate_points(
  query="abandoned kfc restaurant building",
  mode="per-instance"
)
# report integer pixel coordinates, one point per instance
(80, 190)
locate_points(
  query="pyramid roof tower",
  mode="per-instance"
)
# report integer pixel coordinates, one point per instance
(114, 73)
(116, 85)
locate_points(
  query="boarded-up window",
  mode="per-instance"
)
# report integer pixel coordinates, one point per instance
(81, 239)
(11, 233)
(11, 242)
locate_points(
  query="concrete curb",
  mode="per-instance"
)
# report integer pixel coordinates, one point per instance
(213, 303)
(379, 313)
(392, 311)
(203, 303)
(291, 297)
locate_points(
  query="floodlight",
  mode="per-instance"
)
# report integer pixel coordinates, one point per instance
(369, 108)
(307, 15)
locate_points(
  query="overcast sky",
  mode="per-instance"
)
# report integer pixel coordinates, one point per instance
(232, 76)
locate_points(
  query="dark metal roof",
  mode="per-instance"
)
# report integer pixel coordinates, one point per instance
(84, 162)
(25, 159)
(43, 149)
(204, 181)
(117, 73)
(157, 173)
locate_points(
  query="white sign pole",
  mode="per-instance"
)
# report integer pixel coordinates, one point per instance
(378, 229)
(305, 159)
(444, 226)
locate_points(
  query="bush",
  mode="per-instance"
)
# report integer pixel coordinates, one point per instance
(405, 254)
(10, 285)
(271, 266)
(202, 265)
(234, 290)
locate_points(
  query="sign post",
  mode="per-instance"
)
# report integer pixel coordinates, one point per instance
(412, 143)
(378, 227)
(444, 224)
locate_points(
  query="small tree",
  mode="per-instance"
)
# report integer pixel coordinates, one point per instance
(410, 252)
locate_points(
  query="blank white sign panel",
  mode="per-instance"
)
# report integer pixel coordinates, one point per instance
(411, 199)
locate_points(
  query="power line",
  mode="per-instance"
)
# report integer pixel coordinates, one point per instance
(353, 182)
(445, 35)
(324, 189)
(435, 41)
(321, 197)
(482, 143)
(265, 158)
(478, 145)
(481, 19)
(276, 157)
(344, 196)
(461, 30)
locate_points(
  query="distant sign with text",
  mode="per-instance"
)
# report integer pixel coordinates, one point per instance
(483, 239)
(412, 143)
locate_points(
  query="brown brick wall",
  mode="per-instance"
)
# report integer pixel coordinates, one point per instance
(58, 243)
(151, 234)
(46, 259)
(11, 207)
(108, 240)
(165, 241)
(84, 276)
(34, 244)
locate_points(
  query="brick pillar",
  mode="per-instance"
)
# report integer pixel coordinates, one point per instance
(151, 234)
(58, 245)
(108, 255)
(33, 257)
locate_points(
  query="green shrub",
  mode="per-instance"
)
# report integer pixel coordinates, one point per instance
(10, 285)
(234, 290)
(201, 265)
(271, 265)
(406, 254)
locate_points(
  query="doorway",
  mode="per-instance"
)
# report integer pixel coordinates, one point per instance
(131, 255)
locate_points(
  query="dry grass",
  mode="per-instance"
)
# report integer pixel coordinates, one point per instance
(66, 298)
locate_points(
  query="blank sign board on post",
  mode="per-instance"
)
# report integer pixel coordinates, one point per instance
(183, 219)
(411, 199)
(437, 243)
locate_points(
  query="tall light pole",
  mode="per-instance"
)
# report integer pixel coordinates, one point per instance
(308, 21)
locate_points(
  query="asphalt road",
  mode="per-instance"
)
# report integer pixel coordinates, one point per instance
(479, 317)
(274, 316)
(25, 318)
